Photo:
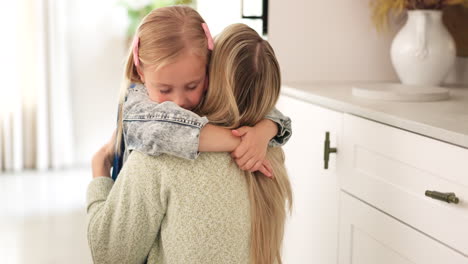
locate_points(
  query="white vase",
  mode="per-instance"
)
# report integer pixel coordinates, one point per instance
(423, 52)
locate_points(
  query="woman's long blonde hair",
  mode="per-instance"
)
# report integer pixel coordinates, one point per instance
(164, 34)
(244, 86)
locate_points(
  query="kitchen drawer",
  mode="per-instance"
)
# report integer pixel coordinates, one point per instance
(368, 236)
(391, 169)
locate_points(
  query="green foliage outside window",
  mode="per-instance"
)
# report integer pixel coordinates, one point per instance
(137, 9)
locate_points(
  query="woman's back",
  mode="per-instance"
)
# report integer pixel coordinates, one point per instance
(205, 206)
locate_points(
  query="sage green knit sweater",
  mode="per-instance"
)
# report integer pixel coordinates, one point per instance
(170, 210)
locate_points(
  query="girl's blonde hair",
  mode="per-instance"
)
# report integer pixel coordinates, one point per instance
(164, 34)
(244, 86)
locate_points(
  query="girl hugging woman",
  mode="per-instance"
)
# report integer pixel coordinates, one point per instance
(199, 204)
(166, 79)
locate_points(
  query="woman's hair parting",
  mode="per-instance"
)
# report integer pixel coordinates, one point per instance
(244, 86)
(163, 35)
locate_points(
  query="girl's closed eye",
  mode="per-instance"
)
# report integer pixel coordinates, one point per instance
(192, 86)
(164, 89)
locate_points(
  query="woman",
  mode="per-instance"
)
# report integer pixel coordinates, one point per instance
(166, 209)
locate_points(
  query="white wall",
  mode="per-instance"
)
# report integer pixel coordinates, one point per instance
(219, 14)
(97, 47)
(331, 40)
(459, 74)
(334, 40)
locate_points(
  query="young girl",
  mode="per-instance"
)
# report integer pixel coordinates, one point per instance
(166, 79)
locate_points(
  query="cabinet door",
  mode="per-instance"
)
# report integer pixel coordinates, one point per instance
(311, 232)
(368, 236)
(391, 169)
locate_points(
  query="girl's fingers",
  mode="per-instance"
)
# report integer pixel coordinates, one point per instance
(241, 162)
(257, 166)
(236, 133)
(264, 170)
(248, 165)
(239, 152)
(240, 131)
(267, 165)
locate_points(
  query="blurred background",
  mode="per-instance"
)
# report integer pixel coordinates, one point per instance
(62, 64)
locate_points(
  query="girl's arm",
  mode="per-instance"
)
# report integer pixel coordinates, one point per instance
(217, 139)
(154, 129)
(167, 128)
(274, 130)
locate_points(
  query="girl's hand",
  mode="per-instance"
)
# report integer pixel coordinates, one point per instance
(250, 154)
(103, 158)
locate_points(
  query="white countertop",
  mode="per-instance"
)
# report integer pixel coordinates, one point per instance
(443, 120)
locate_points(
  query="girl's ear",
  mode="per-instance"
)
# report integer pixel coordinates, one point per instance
(140, 73)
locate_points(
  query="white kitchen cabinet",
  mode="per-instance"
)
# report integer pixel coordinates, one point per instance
(392, 169)
(369, 236)
(311, 232)
(388, 170)
(370, 206)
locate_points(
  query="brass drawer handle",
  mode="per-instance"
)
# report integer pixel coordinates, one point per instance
(446, 197)
(327, 149)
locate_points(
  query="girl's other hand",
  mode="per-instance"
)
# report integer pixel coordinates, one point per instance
(250, 154)
(103, 158)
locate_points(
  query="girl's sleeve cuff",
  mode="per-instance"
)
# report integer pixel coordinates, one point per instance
(284, 128)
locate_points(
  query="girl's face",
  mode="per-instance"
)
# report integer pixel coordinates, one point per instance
(182, 82)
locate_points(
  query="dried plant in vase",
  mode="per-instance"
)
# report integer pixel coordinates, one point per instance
(381, 9)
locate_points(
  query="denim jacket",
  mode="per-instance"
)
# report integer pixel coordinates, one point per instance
(156, 128)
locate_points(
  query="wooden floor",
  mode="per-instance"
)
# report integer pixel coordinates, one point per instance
(43, 217)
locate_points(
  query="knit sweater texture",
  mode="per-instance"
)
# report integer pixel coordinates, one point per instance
(166, 209)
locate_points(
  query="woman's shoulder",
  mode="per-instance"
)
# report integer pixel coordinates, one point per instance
(173, 172)
(164, 161)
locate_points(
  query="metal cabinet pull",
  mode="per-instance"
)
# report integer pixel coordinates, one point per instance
(327, 149)
(446, 197)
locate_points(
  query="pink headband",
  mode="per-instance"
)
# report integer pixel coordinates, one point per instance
(208, 36)
(136, 43)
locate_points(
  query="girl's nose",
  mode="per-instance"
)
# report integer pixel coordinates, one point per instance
(181, 101)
